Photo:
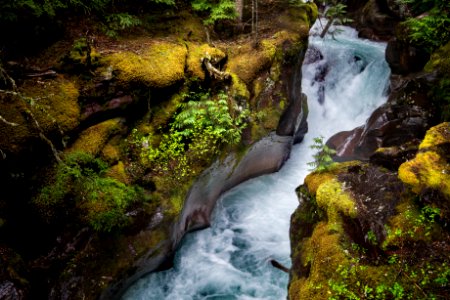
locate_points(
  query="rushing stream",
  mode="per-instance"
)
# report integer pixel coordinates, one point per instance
(231, 260)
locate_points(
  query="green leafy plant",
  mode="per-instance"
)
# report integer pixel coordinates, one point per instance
(198, 131)
(429, 30)
(323, 157)
(216, 10)
(336, 14)
(80, 189)
(120, 21)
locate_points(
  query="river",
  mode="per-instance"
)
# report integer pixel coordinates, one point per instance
(346, 81)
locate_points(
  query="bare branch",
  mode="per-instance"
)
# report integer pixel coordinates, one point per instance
(7, 122)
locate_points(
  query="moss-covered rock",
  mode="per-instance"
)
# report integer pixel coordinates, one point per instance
(360, 234)
(93, 139)
(118, 173)
(159, 66)
(440, 60)
(430, 168)
(54, 105)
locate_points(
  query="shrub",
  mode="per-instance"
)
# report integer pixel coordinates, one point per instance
(216, 10)
(198, 131)
(97, 201)
(429, 30)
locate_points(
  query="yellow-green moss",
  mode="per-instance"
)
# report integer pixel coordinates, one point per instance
(118, 172)
(436, 136)
(323, 253)
(299, 19)
(314, 179)
(247, 62)
(238, 88)
(54, 100)
(55, 107)
(196, 53)
(426, 170)
(93, 139)
(440, 60)
(110, 153)
(161, 65)
(331, 198)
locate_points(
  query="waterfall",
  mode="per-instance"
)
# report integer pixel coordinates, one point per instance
(345, 79)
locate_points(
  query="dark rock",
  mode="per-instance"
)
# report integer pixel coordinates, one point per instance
(375, 202)
(312, 55)
(95, 108)
(403, 58)
(392, 157)
(405, 117)
(374, 22)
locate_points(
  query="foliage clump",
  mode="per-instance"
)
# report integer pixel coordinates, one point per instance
(215, 10)
(429, 28)
(203, 126)
(81, 191)
(323, 157)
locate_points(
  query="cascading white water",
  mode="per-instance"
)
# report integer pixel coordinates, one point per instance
(231, 260)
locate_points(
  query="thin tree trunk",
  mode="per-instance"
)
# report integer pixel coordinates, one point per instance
(256, 21)
(239, 9)
(253, 17)
(327, 27)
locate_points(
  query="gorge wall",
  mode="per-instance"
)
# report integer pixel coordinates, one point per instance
(103, 215)
(375, 225)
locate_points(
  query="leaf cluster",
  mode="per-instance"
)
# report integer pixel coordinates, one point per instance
(215, 10)
(429, 30)
(323, 157)
(81, 190)
(202, 126)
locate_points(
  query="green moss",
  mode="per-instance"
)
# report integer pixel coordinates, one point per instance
(118, 173)
(430, 168)
(80, 190)
(239, 88)
(171, 193)
(264, 121)
(164, 112)
(196, 53)
(161, 65)
(331, 198)
(110, 153)
(54, 104)
(436, 136)
(440, 60)
(93, 139)
(322, 253)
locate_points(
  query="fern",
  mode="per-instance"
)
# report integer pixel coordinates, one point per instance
(431, 30)
(323, 157)
(217, 10)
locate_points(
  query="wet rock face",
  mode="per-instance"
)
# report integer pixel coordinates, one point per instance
(403, 58)
(374, 21)
(405, 117)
